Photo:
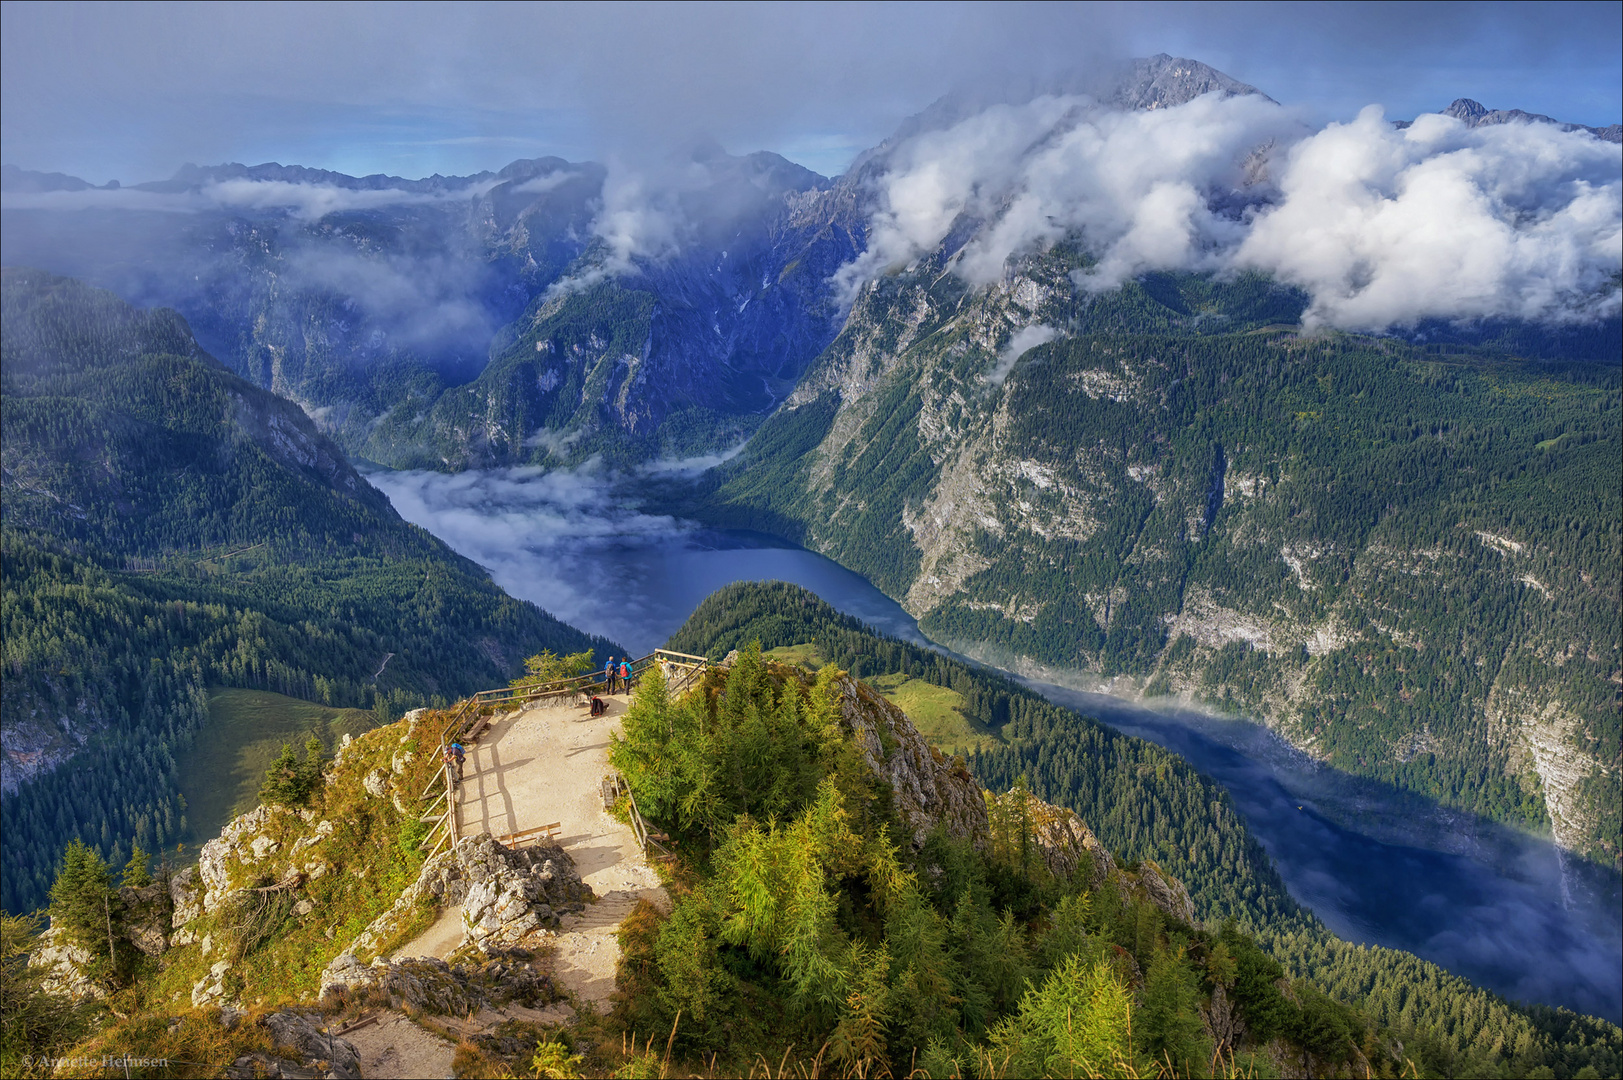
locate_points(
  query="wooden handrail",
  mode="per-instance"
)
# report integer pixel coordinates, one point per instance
(681, 655)
(685, 669)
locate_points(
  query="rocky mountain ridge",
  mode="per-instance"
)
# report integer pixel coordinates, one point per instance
(462, 322)
(987, 492)
(1475, 114)
(281, 871)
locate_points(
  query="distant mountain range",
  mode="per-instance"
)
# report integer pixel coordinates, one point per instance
(1475, 114)
(535, 314)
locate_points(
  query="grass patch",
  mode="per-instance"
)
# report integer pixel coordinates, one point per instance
(220, 775)
(806, 655)
(936, 711)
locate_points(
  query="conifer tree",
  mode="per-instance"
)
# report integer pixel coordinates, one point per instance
(80, 898)
(32, 1021)
(136, 875)
(282, 779)
(1168, 1025)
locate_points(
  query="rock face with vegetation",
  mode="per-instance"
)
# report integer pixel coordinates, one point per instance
(896, 913)
(837, 884)
(927, 790)
(1402, 558)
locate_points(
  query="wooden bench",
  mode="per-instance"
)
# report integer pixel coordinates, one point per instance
(531, 836)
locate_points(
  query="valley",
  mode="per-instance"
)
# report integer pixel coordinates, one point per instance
(1446, 862)
(1158, 555)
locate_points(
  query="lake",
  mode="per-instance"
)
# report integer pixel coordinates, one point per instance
(1498, 906)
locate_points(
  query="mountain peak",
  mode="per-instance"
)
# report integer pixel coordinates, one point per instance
(1466, 109)
(1475, 114)
(1162, 81)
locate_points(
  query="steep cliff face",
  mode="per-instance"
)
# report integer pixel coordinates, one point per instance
(930, 790)
(1386, 556)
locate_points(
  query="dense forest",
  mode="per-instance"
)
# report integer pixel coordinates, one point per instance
(1146, 803)
(169, 527)
(1403, 556)
(804, 919)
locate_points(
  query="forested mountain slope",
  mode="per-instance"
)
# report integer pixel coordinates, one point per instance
(1403, 558)
(167, 527)
(540, 314)
(1145, 803)
(459, 322)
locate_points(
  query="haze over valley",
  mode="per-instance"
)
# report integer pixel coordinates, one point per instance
(1233, 468)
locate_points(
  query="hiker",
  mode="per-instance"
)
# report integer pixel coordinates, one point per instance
(608, 676)
(457, 757)
(625, 676)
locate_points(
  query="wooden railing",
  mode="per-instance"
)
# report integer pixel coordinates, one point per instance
(472, 715)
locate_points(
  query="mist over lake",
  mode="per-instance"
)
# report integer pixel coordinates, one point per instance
(1492, 904)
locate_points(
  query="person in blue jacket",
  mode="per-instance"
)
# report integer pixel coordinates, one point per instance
(608, 676)
(625, 676)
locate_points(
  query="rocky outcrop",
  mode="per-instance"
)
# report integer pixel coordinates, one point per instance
(506, 896)
(234, 847)
(435, 986)
(66, 966)
(215, 988)
(1067, 845)
(304, 1048)
(512, 893)
(146, 919)
(929, 790)
(185, 904)
(1162, 890)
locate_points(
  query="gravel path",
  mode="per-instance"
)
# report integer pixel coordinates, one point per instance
(396, 1047)
(541, 766)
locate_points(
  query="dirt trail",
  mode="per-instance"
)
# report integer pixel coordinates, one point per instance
(396, 1047)
(534, 768)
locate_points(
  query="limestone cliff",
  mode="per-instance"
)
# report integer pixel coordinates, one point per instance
(929, 790)
(1161, 492)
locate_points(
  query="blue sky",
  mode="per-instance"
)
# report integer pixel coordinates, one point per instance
(132, 91)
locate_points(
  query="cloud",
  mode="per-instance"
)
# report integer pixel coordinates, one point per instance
(557, 539)
(1381, 226)
(540, 185)
(312, 202)
(1024, 340)
(433, 301)
(690, 467)
(306, 202)
(1387, 227)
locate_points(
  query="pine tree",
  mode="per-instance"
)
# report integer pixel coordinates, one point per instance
(281, 784)
(1168, 1024)
(135, 874)
(32, 1021)
(310, 769)
(80, 898)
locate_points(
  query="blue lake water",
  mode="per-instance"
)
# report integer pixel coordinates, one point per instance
(1503, 909)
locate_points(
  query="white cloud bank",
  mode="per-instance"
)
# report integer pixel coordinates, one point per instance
(304, 201)
(1380, 226)
(1024, 340)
